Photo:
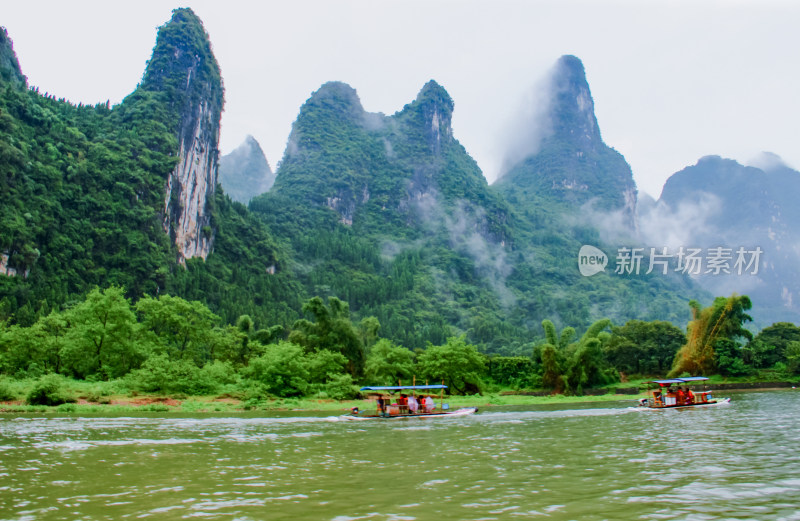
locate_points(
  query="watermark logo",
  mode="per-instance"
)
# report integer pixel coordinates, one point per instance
(690, 261)
(591, 260)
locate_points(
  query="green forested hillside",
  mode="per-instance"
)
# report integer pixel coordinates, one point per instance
(392, 214)
(82, 191)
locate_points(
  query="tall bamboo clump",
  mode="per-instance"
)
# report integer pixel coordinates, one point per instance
(696, 357)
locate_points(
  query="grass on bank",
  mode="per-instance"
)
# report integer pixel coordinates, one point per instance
(117, 397)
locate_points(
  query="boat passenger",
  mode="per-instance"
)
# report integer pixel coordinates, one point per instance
(429, 405)
(689, 396)
(412, 404)
(402, 402)
(680, 399)
(381, 406)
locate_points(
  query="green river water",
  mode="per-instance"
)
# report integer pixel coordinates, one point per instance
(583, 462)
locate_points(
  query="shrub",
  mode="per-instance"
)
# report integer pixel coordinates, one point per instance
(281, 369)
(6, 392)
(49, 390)
(159, 374)
(341, 388)
(219, 372)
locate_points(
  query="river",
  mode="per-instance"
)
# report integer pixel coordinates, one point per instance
(582, 462)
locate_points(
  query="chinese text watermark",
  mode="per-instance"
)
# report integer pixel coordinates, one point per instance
(691, 261)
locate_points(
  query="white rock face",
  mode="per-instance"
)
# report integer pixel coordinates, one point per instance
(5, 269)
(191, 185)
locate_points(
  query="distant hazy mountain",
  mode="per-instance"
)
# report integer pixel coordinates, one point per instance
(721, 203)
(567, 160)
(245, 173)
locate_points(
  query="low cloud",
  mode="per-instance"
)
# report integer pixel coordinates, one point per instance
(687, 225)
(523, 134)
(464, 225)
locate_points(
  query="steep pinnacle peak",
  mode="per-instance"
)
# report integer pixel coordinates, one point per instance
(573, 66)
(9, 65)
(433, 111)
(572, 107)
(182, 57)
(433, 92)
(250, 141)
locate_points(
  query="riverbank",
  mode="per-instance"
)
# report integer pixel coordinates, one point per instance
(227, 404)
(113, 405)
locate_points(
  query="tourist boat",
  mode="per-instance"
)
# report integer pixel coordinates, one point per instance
(663, 396)
(385, 410)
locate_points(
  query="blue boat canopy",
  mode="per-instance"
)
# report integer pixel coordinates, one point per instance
(402, 387)
(680, 380)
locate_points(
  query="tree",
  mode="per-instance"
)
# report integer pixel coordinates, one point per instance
(331, 329)
(724, 319)
(551, 369)
(282, 369)
(325, 365)
(728, 358)
(23, 351)
(387, 364)
(560, 342)
(553, 355)
(641, 347)
(770, 345)
(793, 356)
(100, 337)
(457, 363)
(178, 328)
(571, 366)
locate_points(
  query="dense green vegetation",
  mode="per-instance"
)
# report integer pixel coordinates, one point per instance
(171, 346)
(82, 192)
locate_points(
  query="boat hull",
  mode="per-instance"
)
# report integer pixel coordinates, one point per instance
(721, 401)
(465, 411)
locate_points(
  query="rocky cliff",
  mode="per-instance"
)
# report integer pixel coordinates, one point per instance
(184, 73)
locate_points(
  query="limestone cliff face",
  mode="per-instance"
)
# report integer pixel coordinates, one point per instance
(184, 73)
(190, 187)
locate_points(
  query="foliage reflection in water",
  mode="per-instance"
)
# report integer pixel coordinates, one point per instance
(587, 462)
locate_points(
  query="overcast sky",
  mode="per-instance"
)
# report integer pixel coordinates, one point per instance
(672, 81)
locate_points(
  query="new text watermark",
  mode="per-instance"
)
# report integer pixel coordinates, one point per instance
(691, 261)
